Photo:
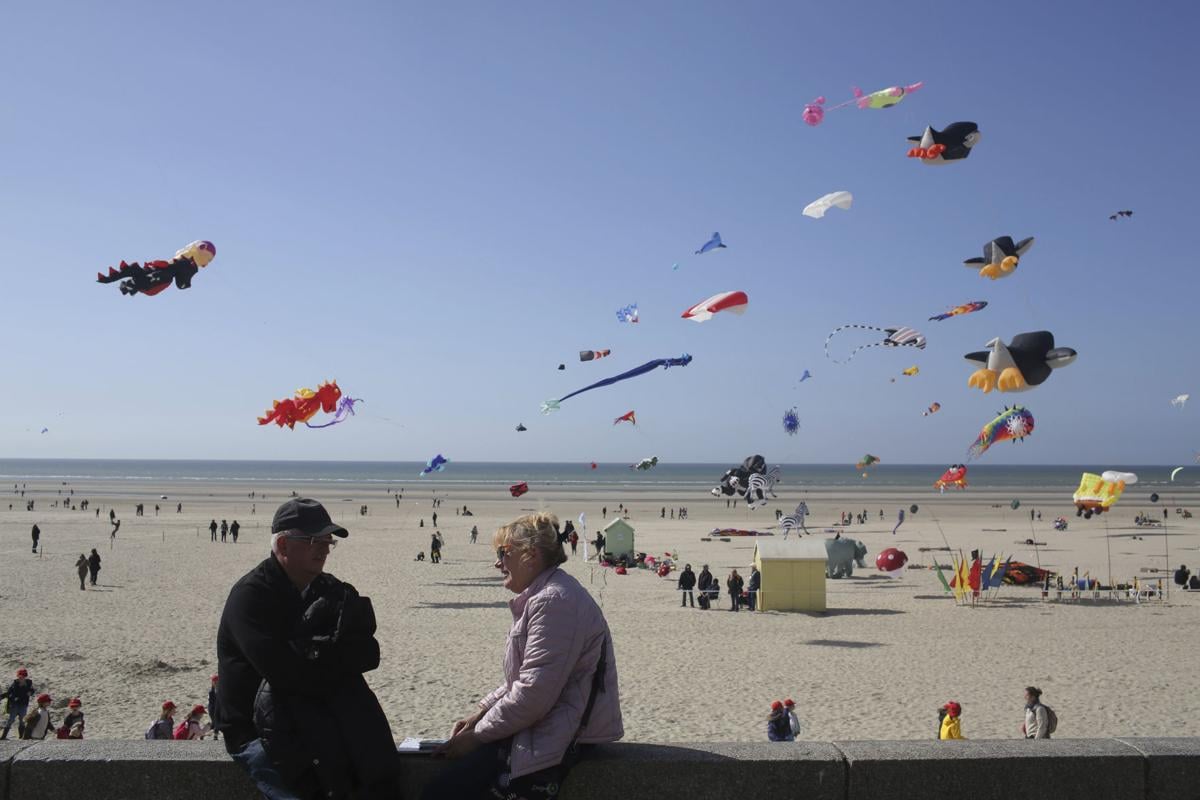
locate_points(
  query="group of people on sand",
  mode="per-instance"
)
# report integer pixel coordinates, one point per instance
(741, 593)
(192, 726)
(88, 566)
(228, 531)
(32, 714)
(1039, 719)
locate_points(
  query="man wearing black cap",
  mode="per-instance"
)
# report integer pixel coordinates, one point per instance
(292, 648)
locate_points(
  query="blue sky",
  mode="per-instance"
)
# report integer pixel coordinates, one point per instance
(438, 203)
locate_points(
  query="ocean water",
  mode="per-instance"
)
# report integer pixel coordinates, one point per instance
(405, 474)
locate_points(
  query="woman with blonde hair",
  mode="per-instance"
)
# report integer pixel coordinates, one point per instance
(560, 679)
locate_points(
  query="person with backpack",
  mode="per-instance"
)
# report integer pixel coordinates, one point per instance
(72, 724)
(952, 722)
(16, 702)
(1040, 719)
(191, 727)
(779, 728)
(164, 726)
(37, 722)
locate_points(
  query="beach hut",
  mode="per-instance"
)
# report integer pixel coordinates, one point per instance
(618, 539)
(793, 574)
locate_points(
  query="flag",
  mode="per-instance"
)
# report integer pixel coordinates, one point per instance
(985, 576)
(941, 577)
(1001, 571)
(973, 577)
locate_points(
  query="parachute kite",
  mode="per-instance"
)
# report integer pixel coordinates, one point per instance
(933, 409)
(941, 147)
(1024, 363)
(1011, 424)
(303, 406)
(645, 463)
(154, 276)
(435, 464)
(714, 243)
(521, 428)
(1180, 400)
(734, 302)
(1000, 257)
(955, 476)
(814, 112)
(628, 314)
(752, 480)
(896, 337)
(626, 417)
(1120, 214)
(592, 355)
(791, 421)
(958, 311)
(1097, 493)
(518, 489)
(649, 366)
(891, 560)
(817, 208)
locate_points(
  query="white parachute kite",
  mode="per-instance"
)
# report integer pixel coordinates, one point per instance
(817, 208)
(1181, 400)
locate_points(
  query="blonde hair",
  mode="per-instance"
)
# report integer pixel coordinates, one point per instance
(533, 532)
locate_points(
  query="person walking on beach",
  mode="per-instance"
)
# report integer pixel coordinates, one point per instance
(38, 723)
(292, 646)
(789, 706)
(734, 584)
(224, 531)
(574, 540)
(212, 530)
(16, 702)
(164, 726)
(234, 528)
(94, 565)
(474, 533)
(435, 548)
(1040, 721)
(72, 724)
(604, 513)
(81, 566)
(778, 727)
(179, 508)
(687, 582)
(214, 705)
(952, 722)
(37, 535)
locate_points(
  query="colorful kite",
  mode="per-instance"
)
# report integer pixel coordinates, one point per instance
(896, 337)
(518, 489)
(435, 464)
(1000, 257)
(817, 208)
(941, 147)
(628, 314)
(628, 416)
(933, 409)
(1180, 400)
(814, 112)
(955, 476)
(592, 355)
(1097, 493)
(1120, 214)
(791, 421)
(714, 243)
(649, 366)
(866, 461)
(734, 302)
(154, 276)
(1025, 362)
(645, 463)
(303, 406)
(1011, 424)
(345, 408)
(957, 311)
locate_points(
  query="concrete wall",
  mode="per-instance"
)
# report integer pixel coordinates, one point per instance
(1062, 769)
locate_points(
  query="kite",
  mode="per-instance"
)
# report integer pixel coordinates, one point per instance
(899, 522)
(911, 371)
(628, 416)
(1174, 472)
(521, 427)
(1120, 214)
(345, 408)
(154, 276)
(752, 480)
(304, 405)
(795, 519)
(817, 208)
(45, 430)
(866, 461)
(1015, 504)
(891, 560)
(957, 311)
(1180, 400)
(814, 112)
(805, 376)
(1154, 497)
(1097, 493)
(561, 367)
(645, 464)
(675, 266)
(714, 243)
(734, 302)
(628, 314)
(649, 366)
(435, 464)
(1000, 257)
(933, 409)
(955, 476)
(592, 355)
(594, 465)
(791, 421)
(896, 337)
(1011, 424)
(1024, 363)
(518, 489)
(941, 147)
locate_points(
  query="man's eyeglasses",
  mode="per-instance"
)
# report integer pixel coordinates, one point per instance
(314, 541)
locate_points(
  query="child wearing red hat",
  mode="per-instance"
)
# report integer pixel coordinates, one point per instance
(793, 721)
(72, 724)
(191, 727)
(778, 727)
(163, 727)
(38, 723)
(951, 723)
(16, 702)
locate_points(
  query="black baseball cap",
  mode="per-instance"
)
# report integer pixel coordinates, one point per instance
(307, 516)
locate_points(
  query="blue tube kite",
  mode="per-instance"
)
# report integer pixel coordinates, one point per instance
(649, 366)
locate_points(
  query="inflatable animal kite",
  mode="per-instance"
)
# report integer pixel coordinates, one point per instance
(714, 243)
(795, 519)
(1025, 362)
(734, 302)
(592, 355)
(941, 147)
(933, 409)
(955, 476)
(752, 480)
(435, 464)
(891, 560)
(628, 416)
(896, 337)
(791, 421)
(957, 311)
(518, 489)
(154, 276)
(649, 366)
(303, 406)
(817, 208)
(814, 112)
(1011, 424)
(1000, 257)
(628, 314)
(645, 463)
(1097, 493)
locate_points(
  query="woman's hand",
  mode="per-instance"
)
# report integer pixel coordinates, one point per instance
(461, 744)
(466, 723)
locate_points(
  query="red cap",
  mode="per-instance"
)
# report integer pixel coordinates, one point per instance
(22, 673)
(197, 710)
(75, 703)
(953, 708)
(168, 705)
(777, 706)
(214, 678)
(43, 698)
(789, 703)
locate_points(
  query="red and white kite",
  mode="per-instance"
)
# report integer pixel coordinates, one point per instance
(725, 301)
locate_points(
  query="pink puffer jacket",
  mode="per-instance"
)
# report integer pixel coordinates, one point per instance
(552, 652)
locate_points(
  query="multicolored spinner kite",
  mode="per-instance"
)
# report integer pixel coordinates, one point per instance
(154, 276)
(791, 421)
(814, 112)
(1097, 493)
(1010, 425)
(306, 403)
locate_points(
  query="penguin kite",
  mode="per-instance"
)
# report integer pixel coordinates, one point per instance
(940, 147)
(1025, 362)
(1000, 257)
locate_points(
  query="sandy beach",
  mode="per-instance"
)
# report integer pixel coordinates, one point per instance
(888, 653)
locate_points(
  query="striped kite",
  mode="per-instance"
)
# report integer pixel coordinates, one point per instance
(896, 337)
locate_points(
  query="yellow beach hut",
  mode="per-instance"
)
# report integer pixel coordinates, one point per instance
(793, 574)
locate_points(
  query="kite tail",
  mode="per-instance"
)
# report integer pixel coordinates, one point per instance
(840, 328)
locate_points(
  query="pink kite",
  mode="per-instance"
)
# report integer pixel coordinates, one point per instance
(725, 301)
(814, 112)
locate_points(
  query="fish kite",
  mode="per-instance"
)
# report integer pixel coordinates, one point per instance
(628, 314)
(1011, 424)
(1180, 400)
(941, 147)
(303, 406)
(592, 355)
(1000, 257)
(518, 489)
(626, 417)
(791, 421)
(1097, 493)
(1025, 362)
(817, 208)
(345, 408)
(957, 311)
(649, 366)
(955, 476)
(933, 409)
(714, 243)
(435, 464)
(734, 302)
(154, 276)
(1120, 214)
(521, 428)
(645, 463)
(814, 112)
(896, 337)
